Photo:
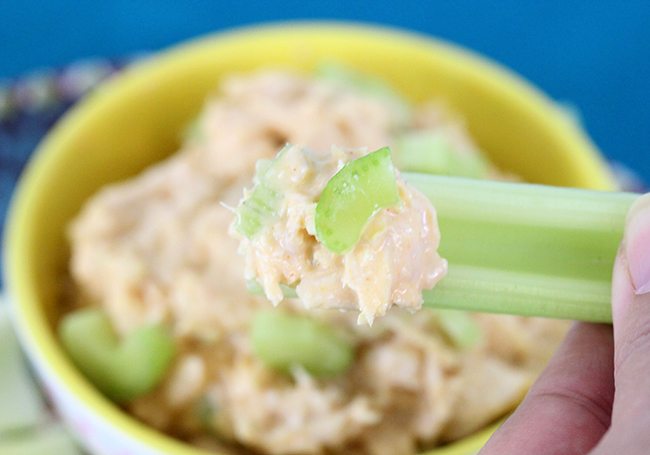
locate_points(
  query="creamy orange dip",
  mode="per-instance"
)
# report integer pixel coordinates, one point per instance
(395, 259)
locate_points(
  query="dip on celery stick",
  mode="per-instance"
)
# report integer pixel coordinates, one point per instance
(343, 228)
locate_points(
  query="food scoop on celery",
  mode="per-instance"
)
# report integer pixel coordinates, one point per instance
(343, 229)
(512, 248)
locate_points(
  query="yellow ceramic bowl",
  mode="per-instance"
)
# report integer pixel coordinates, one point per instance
(136, 120)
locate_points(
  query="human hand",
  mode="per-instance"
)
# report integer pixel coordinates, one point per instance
(594, 396)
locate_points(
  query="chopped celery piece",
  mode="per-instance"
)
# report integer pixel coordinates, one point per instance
(459, 327)
(352, 197)
(365, 84)
(22, 406)
(51, 439)
(525, 249)
(122, 370)
(433, 153)
(283, 340)
(257, 210)
(260, 206)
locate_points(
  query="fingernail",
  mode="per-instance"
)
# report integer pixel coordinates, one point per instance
(637, 244)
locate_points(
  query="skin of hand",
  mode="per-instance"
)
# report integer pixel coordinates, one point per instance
(594, 396)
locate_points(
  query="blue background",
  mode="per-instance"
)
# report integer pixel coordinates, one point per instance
(593, 54)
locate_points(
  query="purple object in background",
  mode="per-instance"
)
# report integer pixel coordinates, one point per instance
(29, 107)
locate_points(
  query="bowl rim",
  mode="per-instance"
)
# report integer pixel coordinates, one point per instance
(30, 321)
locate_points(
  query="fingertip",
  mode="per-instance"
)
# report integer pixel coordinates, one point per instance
(631, 314)
(636, 245)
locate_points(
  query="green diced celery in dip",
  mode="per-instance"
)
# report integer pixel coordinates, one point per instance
(282, 341)
(350, 198)
(433, 153)
(122, 369)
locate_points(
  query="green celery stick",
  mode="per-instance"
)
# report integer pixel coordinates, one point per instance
(352, 197)
(525, 249)
(122, 370)
(22, 406)
(283, 340)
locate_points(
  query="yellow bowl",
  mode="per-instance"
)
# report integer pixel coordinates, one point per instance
(135, 120)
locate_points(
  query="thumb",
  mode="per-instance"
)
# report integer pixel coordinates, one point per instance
(631, 317)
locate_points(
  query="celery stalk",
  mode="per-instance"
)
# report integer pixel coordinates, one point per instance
(525, 249)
